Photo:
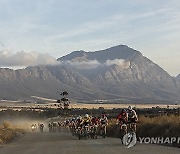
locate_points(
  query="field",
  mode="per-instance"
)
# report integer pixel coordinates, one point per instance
(16, 105)
(111, 106)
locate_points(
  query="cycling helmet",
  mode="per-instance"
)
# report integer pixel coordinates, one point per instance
(130, 108)
(80, 117)
(86, 115)
(103, 115)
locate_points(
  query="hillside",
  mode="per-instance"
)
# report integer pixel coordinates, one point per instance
(118, 74)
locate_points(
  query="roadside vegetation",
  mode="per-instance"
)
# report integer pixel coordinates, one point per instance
(163, 126)
(153, 122)
(160, 126)
(8, 132)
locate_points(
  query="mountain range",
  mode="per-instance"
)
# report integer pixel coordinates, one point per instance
(117, 74)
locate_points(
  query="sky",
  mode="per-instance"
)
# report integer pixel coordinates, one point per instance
(53, 28)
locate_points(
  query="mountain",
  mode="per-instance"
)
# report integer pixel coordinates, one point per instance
(117, 74)
(44, 81)
(117, 52)
(124, 71)
(178, 77)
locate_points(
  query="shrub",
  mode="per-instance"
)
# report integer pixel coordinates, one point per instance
(161, 126)
(8, 132)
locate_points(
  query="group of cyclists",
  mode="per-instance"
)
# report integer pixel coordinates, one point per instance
(127, 118)
(89, 126)
(35, 127)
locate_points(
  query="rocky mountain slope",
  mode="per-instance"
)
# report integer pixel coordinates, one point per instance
(117, 73)
(177, 78)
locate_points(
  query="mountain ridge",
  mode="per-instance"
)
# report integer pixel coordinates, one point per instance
(107, 53)
(115, 73)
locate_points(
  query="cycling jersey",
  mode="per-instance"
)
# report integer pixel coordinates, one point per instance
(95, 121)
(132, 116)
(86, 120)
(103, 120)
(123, 117)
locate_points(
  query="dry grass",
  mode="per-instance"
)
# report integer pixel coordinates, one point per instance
(160, 120)
(8, 132)
(161, 126)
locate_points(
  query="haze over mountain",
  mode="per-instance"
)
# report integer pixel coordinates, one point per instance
(120, 74)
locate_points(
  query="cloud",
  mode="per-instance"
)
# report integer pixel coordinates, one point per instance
(148, 26)
(93, 64)
(22, 58)
(119, 62)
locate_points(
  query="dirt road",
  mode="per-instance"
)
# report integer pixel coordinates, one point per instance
(48, 143)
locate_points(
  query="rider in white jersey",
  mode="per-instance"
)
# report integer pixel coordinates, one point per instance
(132, 117)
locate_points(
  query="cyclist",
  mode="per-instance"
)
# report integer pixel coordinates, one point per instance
(86, 120)
(41, 127)
(103, 123)
(94, 126)
(79, 121)
(122, 122)
(95, 121)
(122, 117)
(132, 118)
